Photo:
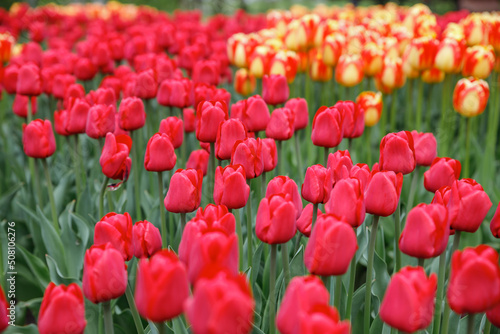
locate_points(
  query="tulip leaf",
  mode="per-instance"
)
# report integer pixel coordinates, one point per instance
(256, 330)
(179, 327)
(362, 234)
(30, 329)
(297, 267)
(37, 267)
(93, 317)
(7, 197)
(381, 277)
(74, 243)
(35, 229)
(61, 190)
(84, 204)
(256, 261)
(55, 273)
(379, 327)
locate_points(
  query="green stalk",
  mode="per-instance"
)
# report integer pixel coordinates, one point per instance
(111, 207)
(298, 156)
(101, 196)
(263, 184)
(409, 98)
(272, 294)
(183, 220)
(443, 128)
(280, 156)
(76, 166)
(249, 230)
(162, 328)
(325, 155)
(352, 280)
(315, 215)
(135, 167)
(487, 327)
(133, 309)
(368, 131)
(470, 323)
(338, 290)
(467, 148)
(286, 265)
(369, 273)
(108, 318)
(36, 181)
(421, 262)
(237, 216)
(419, 104)
(439, 293)
(164, 232)
(383, 116)
(393, 112)
(413, 188)
(51, 195)
(397, 233)
(447, 310)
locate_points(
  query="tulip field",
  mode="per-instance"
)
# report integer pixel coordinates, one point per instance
(301, 171)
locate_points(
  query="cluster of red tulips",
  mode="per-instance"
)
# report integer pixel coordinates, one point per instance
(127, 87)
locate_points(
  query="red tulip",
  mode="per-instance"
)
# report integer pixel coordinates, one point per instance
(443, 172)
(11, 72)
(28, 80)
(269, 154)
(327, 128)
(104, 274)
(146, 239)
(173, 128)
(208, 116)
(275, 89)
(189, 119)
(174, 93)
(84, 69)
(62, 310)
(61, 84)
(426, 232)
(397, 152)
(206, 71)
(160, 155)
(474, 285)
(304, 222)
(114, 160)
(38, 139)
(184, 192)
(145, 85)
(362, 173)
(493, 315)
(353, 118)
(132, 114)
(248, 153)
(20, 105)
(115, 229)
(228, 133)
(198, 159)
(4, 311)
(302, 295)
(253, 112)
(323, 319)
(495, 223)
(300, 109)
(382, 193)
(160, 278)
(100, 121)
(347, 200)
(408, 303)
(340, 164)
(231, 188)
(231, 305)
(275, 222)
(287, 186)
(281, 125)
(425, 147)
(77, 115)
(317, 184)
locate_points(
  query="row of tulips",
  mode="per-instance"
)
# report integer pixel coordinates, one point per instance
(323, 279)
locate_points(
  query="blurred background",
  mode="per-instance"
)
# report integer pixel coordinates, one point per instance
(210, 7)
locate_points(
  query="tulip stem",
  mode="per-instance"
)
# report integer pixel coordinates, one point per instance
(419, 104)
(421, 262)
(263, 184)
(470, 323)
(272, 283)
(393, 112)
(50, 190)
(369, 273)
(101, 196)
(164, 233)
(368, 146)
(280, 157)
(338, 292)
(183, 220)
(352, 280)
(286, 265)
(413, 188)
(443, 131)
(135, 166)
(397, 233)
(409, 98)
(249, 230)
(439, 293)
(325, 155)
(467, 148)
(237, 217)
(133, 309)
(314, 216)
(487, 327)
(77, 163)
(108, 318)
(447, 310)
(36, 181)
(162, 328)
(298, 156)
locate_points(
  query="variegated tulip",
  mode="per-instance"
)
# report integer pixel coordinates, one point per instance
(478, 61)
(470, 96)
(244, 82)
(449, 55)
(349, 70)
(371, 102)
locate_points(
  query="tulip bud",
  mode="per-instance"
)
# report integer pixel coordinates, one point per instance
(275, 89)
(114, 160)
(248, 153)
(145, 85)
(349, 70)
(317, 184)
(353, 118)
(331, 247)
(175, 93)
(132, 114)
(347, 200)
(382, 193)
(449, 55)
(371, 103)
(470, 96)
(84, 69)
(230, 187)
(327, 127)
(478, 61)
(425, 147)
(115, 229)
(474, 285)
(62, 310)
(20, 105)
(397, 152)
(100, 121)
(443, 172)
(228, 133)
(208, 116)
(28, 80)
(299, 107)
(412, 288)
(162, 277)
(373, 58)
(281, 124)
(253, 112)
(474, 29)
(38, 139)
(184, 192)
(198, 159)
(206, 71)
(244, 82)
(146, 239)
(426, 231)
(231, 304)
(318, 69)
(104, 274)
(275, 222)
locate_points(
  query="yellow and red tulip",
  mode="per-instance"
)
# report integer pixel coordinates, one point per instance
(478, 61)
(244, 82)
(391, 76)
(349, 70)
(449, 55)
(372, 103)
(470, 96)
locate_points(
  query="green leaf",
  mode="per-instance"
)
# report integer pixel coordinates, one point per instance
(56, 275)
(37, 267)
(381, 277)
(52, 242)
(297, 267)
(30, 329)
(93, 316)
(256, 261)
(6, 199)
(179, 327)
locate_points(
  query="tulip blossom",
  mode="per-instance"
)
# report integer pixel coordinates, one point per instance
(160, 155)
(371, 103)
(253, 112)
(38, 139)
(353, 118)
(495, 223)
(198, 159)
(22, 103)
(184, 192)
(449, 55)
(231, 188)
(299, 107)
(327, 127)
(281, 124)
(304, 222)
(275, 222)
(132, 114)
(100, 121)
(248, 153)
(391, 75)
(146, 239)
(340, 164)
(349, 70)
(443, 172)
(228, 133)
(397, 152)
(269, 154)
(470, 96)
(173, 128)
(174, 93)
(285, 185)
(208, 116)
(317, 184)
(244, 82)
(28, 80)
(114, 160)
(347, 200)
(117, 230)
(275, 89)
(382, 193)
